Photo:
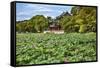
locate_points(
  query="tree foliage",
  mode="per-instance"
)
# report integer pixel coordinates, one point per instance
(36, 24)
(80, 19)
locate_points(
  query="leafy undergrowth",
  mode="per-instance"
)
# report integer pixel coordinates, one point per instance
(39, 48)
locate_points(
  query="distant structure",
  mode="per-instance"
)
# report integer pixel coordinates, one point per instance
(54, 28)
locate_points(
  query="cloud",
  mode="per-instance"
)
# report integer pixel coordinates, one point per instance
(26, 11)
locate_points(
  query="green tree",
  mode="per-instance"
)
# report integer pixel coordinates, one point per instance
(40, 23)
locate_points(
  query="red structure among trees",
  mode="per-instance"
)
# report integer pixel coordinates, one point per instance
(54, 27)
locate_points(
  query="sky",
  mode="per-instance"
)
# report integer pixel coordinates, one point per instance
(25, 11)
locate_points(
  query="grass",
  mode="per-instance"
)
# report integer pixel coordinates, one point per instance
(39, 48)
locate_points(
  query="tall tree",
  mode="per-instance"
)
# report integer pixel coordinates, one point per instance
(40, 23)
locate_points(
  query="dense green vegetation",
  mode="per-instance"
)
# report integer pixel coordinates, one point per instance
(40, 48)
(77, 43)
(36, 24)
(81, 19)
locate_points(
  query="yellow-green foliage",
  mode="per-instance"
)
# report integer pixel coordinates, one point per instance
(84, 17)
